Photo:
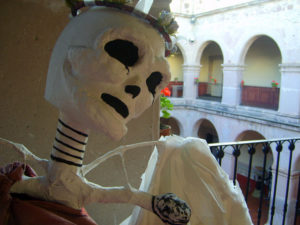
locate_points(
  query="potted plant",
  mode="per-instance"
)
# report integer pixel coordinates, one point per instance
(274, 84)
(165, 107)
(213, 80)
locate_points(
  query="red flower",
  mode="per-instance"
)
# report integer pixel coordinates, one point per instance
(166, 91)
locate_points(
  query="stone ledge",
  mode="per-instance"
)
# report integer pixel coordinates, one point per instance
(251, 114)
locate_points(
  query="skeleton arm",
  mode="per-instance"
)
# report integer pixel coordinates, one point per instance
(25, 153)
(117, 151)
(168, 207)
(101, 194)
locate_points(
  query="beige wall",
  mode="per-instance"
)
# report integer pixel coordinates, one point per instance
(211, 61)
(175, 62)
(28, 31)
(262, 63)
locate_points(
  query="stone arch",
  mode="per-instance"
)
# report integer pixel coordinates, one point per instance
(203, 47)
(254, 135)
(176, 126)
(257, 161)
(261, 73)
(206, 130)
(181, 48)
(211, 74)
(250, 42)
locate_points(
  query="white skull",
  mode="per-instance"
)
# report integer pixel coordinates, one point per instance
(106, 68)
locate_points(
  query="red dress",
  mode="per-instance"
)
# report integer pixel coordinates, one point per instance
(19, 209)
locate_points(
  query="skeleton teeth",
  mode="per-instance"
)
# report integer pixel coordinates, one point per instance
(116, 103)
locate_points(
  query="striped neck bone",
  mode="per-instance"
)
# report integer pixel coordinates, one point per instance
(69, 145)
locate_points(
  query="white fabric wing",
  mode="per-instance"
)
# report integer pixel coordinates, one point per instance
(186, 167)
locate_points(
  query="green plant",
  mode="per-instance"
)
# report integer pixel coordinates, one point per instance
(213, 80)
(274, 83)
(165, 104)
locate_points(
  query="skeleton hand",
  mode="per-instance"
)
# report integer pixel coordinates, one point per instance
(170, 209)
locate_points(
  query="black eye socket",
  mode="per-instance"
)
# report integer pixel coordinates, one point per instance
(153, 81)
(133, 90)
(124, 51)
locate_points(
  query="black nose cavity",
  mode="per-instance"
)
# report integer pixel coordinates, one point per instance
(153, 81)
(124, 51)
(133, 90)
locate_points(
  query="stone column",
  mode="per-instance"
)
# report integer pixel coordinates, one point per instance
(289, 100)
(190, 89)
(232, 78)
(228, 162)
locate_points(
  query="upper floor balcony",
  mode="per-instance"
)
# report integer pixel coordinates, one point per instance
(176, 88)
(254, 96)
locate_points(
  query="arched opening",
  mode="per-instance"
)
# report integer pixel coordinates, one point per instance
(261, 78)
(175, 61)
(175, 128)
(210, 80)
(258, 182)
(208, 132)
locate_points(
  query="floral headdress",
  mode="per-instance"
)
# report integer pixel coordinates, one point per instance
(165, 23)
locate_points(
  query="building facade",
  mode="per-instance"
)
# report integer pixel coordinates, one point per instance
(236, 77)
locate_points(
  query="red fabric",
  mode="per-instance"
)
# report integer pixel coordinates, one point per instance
(17, 210)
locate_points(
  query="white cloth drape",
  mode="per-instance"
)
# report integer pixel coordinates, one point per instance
(186, 167)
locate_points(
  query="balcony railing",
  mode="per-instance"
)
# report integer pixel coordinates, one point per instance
(176, 88)
(210, 91)
(284, 147)
(263, 97)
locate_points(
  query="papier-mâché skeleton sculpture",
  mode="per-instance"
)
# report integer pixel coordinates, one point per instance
(107, 67)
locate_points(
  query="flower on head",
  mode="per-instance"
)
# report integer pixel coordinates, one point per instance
(167, 21)
(173, 27)
(165, 18)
